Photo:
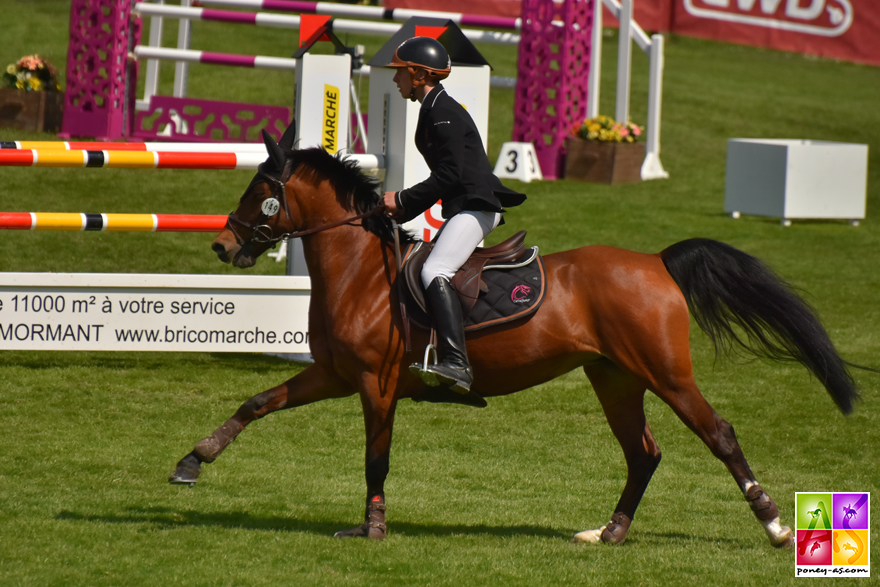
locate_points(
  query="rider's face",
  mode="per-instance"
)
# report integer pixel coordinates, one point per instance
(403, 79)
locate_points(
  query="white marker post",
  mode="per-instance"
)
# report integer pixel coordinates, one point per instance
(322, 101)
(322, 119)
(518, 161)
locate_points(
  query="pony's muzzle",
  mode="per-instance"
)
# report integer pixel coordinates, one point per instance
(220, 249)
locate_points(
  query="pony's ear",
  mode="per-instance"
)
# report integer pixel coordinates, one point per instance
(288, 137)
(275, 152)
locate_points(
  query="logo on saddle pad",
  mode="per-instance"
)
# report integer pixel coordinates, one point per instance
(520, 294)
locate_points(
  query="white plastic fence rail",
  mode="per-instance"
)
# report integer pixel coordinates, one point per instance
(653, 47)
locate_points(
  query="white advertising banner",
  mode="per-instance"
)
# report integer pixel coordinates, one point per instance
(322, 101)
(148, 312)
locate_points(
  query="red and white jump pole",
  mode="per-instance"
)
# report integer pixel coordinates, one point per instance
(129, 159)
(112, 222)
(136, 146)
(370, 164)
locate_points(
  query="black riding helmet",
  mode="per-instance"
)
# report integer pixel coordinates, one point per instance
(422, 53)
(425, 53)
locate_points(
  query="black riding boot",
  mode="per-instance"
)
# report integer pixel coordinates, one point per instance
(453, 369)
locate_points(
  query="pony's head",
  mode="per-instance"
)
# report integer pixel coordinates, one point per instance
(263, 215)
(282, 198)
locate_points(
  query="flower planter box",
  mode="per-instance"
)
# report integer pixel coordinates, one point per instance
(31, 111)
(602, 162)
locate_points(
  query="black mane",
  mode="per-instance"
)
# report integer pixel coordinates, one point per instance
(355, 191)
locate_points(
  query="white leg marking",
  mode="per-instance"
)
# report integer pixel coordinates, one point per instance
(778, 534)
(748, 485)
(590, 536)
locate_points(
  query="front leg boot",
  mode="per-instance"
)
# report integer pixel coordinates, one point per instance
(374, 523)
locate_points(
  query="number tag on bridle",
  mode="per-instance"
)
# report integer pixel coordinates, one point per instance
(270, 207)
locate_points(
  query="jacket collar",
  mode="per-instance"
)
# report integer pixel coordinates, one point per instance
(432, 96)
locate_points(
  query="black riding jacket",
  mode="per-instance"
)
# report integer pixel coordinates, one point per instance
(461, 175)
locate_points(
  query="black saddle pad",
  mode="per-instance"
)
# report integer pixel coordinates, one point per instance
(515, 290)
(514, 293)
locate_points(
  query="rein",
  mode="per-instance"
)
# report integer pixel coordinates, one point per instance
(401, 288)
(259, 236)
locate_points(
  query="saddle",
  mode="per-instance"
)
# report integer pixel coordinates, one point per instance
(496, 285)
(506, 279)
(467, 281)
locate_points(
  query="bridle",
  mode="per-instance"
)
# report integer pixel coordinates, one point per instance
(263, 233)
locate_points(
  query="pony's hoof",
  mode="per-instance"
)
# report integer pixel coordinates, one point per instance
(616, 530)
(365, 530)
(780, 536)
(187, 471)
(588, 536)
(784, 540)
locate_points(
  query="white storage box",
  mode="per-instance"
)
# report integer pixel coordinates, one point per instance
(792, 179)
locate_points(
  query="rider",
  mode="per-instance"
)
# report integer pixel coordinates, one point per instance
(473, 198)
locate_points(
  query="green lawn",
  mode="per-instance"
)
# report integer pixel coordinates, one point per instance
(476, 497)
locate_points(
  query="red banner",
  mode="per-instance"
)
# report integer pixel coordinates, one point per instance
(840, 29)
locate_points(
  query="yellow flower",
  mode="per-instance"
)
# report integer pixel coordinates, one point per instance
(606, 129)
(35, 83)
(11, 69)
(19, 83)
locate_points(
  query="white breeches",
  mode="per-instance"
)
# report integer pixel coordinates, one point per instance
(457, 239)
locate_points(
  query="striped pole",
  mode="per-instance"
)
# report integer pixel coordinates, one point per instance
(369, 164)
(111, 222)
(259, 61)
(129, 159)
(167, 147)
(268, 19)
(207, 57)
(369, 12)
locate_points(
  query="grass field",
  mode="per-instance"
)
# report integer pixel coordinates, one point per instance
(476, 497)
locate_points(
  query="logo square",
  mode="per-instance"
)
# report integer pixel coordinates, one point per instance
(814, 511)
(814, 547)
(850, 547)
(851, 511)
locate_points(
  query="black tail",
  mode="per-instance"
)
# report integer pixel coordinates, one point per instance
(724, 287)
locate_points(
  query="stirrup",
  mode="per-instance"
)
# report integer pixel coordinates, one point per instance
(421, 370)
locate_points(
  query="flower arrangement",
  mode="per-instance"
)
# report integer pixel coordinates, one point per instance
(31, 73)
(605, 129)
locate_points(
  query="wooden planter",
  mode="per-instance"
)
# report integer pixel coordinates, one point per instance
(31, 111)
(603, 162)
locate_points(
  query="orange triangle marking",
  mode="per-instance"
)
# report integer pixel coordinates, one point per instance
(429, 31)
(309, 25)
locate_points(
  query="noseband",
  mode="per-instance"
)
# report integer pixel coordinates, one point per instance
(263, 233)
